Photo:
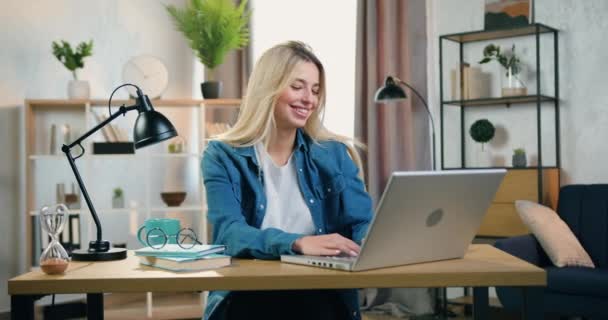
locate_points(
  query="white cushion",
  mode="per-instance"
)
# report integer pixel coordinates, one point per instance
(553, 234)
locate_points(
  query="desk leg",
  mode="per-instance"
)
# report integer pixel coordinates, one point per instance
(532, 307)
(95, 306)
(481, 309)
(22, 307)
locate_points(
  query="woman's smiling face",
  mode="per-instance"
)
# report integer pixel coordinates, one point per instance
(298, 101)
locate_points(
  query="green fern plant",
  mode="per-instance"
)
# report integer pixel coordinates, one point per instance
(72, 59)
(213, 28)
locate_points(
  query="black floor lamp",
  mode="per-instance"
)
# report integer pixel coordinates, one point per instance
(150, 127)
(392, 92)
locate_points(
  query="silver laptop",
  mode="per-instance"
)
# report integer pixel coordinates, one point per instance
(422, 216)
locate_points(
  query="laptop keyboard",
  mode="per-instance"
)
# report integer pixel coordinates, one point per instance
(344, 259)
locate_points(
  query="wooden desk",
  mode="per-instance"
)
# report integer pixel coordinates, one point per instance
(483, 266)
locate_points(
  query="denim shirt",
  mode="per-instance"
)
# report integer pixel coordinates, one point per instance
(236, 201)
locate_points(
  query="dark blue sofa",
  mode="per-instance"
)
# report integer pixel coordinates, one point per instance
(570, 291)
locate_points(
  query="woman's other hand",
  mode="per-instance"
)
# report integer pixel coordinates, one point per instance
(326, 245)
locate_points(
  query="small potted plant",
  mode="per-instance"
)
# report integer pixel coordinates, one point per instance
(519, 158)
(213, 28)
(482, 131)
(118, 199)
(511, 83)
(74, 60)
(177, 145)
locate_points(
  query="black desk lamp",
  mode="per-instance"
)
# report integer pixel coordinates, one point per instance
(150, 127)
(391, 91)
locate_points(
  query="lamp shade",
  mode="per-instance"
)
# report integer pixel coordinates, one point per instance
(391, 91)
(152, 127)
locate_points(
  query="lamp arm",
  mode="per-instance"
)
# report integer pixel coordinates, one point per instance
(428, 111)
(66, 149)
(121, 111)
(426, 106)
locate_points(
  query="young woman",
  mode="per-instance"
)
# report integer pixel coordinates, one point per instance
(279, 182)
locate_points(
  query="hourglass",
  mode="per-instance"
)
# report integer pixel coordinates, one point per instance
(54, 258)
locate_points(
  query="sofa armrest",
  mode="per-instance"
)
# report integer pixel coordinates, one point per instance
(525, 247)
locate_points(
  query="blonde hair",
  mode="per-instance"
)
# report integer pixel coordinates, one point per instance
(272, 74)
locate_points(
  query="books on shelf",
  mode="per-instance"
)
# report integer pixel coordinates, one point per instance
(210, 261)
(476, 84)
(175, 251)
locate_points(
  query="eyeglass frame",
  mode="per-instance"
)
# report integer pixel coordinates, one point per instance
(168, 236)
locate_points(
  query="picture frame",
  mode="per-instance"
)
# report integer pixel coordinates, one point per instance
(505, 14)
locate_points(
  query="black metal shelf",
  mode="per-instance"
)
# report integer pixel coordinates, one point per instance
(534, 30)
(483, 35)
(500, 100)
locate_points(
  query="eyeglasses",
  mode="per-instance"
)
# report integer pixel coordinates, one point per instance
(186, 238)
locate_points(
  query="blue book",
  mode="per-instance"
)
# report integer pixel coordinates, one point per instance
(175, 251)
(210, 261)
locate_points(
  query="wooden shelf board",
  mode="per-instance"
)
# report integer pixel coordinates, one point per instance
(499, 100)
(483, 35)
(57, 104)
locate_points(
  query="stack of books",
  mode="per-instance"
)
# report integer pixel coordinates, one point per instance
(172, 257)
(476, 83)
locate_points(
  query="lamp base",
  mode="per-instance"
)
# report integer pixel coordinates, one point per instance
(110, 255)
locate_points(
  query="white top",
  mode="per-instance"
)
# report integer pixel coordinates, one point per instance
(285, 209)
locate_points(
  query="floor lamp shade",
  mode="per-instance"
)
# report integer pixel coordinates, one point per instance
(392, 91)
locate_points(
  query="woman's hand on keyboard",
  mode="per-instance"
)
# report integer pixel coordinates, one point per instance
(326, 245)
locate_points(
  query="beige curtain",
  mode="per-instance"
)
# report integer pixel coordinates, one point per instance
(234, 74)
(391, 40)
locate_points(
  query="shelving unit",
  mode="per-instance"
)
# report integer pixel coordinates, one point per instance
(142, 175)
(537, 183)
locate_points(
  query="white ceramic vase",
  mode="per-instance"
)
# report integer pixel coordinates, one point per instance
(78, 89)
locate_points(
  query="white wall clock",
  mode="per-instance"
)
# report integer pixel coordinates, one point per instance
(147, 72)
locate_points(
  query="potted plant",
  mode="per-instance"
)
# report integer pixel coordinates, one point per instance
(177, 145)
(519, 158)
(482, 131)
(73, 60)
(511, 83)
(118, 200)
(212, 28)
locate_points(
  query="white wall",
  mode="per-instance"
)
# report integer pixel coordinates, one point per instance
(584, 120)
(9, 201)
(119, 29)
(329, 27)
